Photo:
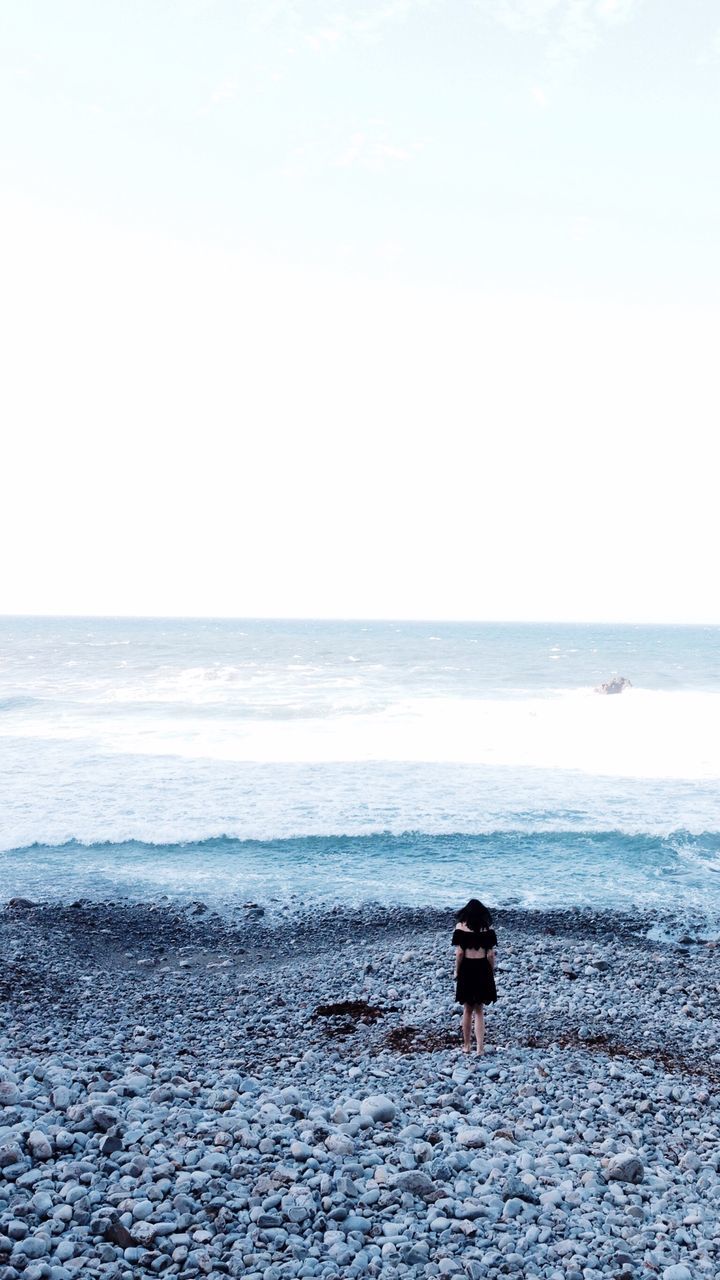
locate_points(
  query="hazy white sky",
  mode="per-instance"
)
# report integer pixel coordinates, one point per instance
(398, 308)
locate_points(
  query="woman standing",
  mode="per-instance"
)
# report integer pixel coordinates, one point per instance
(474, 941)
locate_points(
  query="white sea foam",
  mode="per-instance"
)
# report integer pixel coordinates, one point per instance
(640, 734)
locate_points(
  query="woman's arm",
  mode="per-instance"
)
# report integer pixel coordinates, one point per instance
(459, 953)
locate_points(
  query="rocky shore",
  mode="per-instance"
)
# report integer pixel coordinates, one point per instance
(190, 1094)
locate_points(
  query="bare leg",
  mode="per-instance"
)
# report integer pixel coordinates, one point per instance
(479, 1028)
(466, 1024)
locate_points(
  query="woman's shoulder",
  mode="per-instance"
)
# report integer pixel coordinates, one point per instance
(463, 936)
(460, 935)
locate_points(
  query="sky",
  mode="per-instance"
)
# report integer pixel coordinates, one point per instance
(392, 308)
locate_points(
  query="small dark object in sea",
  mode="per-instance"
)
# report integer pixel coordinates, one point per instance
(616, 685)
(20, 904)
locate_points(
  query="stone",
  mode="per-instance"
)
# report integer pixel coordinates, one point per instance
(33, 1246)
(110, 1144)
(300, 1151)
(41, 1204)
(105, 1117)
(471, 1136)
(354, 1222)
(625, 1167)
(340, 1144)
(513, 1208)
(117, 1234)
(416, 1182)
(40, 1147)
(380, 1108)
(141, 1210)
(10, 1154)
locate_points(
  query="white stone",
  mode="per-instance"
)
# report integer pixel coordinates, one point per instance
(471, 1136)
(379, 1108)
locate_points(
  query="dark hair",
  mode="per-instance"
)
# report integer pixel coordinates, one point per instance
(474, 915)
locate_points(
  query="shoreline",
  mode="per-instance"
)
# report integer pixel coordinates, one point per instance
(125, 931)
(272, 1099)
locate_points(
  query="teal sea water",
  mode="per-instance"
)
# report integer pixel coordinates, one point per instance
(326, 761)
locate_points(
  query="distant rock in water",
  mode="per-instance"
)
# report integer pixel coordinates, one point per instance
(616, 685)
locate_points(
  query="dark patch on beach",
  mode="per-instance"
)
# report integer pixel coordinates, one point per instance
(409, 1039)
(610, 1048)
(343, 1017)
(359, 1009)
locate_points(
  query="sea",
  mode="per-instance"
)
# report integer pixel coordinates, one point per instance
(315, 763)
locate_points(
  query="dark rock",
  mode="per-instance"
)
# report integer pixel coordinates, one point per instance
(116, 1233)
(515, 1189)
(105, 1117)
(111, 1144)
(616, 685)
(417, 1183)
(20, 904)
(625, 1167)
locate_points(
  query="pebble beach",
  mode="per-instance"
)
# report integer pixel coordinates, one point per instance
(190, 1093)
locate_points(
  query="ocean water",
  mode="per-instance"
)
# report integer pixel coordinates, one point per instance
(326, 761)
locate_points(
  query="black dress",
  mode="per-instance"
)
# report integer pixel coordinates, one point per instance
(475, 980)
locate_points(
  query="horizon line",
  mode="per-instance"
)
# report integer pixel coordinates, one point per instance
(338, 618)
